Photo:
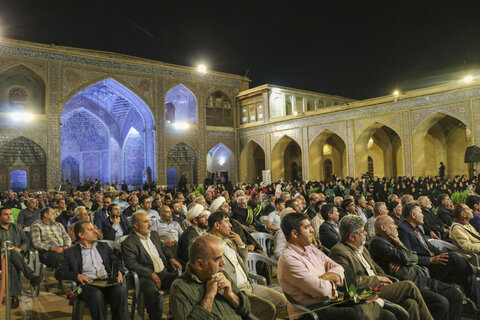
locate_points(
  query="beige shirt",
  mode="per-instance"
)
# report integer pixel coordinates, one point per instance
(152, 251)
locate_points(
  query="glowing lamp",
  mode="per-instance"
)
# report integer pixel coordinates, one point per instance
(202, 68)
(180, 125)
(468, 79)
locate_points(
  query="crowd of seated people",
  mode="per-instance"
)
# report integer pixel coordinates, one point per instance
(372, 227)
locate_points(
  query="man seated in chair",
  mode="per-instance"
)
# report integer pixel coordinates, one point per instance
(116, 225)
(89, 261)
(198, 218)
(449, 267)
(462, 231)
(311, 278)
(266, 303)
(351, 253)
(204, 291)
(444, 301)
(50, 238)
(20, 244)
(144, 253)
(81, 214)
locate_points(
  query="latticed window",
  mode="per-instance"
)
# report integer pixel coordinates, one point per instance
(370, 166)
(219, 110)
(17, 97)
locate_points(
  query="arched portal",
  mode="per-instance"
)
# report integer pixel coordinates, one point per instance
(109, 132)
(252, 162)
(384, 146)
(221, 162)
(183, 158)
(441, 138)
(286, 160)
(327, 146)
(180, 105)
(22, 154)
(21, 90)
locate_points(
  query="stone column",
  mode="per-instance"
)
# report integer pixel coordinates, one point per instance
(407, 150)
(351, 148)
(305, 173)
(160, 145)
(53, 110)
(202, 133)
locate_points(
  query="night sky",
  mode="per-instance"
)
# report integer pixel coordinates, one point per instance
(357, 49)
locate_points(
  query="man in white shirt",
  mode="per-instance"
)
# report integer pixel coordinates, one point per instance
(266, 303)
(273, 218)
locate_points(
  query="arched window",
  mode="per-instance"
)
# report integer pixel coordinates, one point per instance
(219, 110)
(170, 112)
(17, 98)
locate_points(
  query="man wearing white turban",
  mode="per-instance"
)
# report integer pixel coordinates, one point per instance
(197, 216)
(220, 203)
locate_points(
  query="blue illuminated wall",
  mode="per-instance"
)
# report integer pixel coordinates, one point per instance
(180, 105)
(18, 180)
(106, 134)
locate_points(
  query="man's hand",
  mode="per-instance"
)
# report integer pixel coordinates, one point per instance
(83, 279)
(236, 237)
(120, 277)
(329, 265)
(440, 259)
(330, 276)
(175, 264)
(57, 249)
(17, 249)
(168, 243)
(433, 235)
(384, 281)
(226, 286)
(156, 279)
(393, 267)
(395, 240)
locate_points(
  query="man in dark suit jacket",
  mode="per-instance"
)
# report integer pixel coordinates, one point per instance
(90, 260)
(116, 225)
(143, 253)
(102, 214)
(351, 254)
(444, 301)
(447, 267)
(133, 206)
(329, 235)
(444, 212)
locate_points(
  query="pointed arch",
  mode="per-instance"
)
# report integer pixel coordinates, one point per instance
(286, 158)
(221, 162)
(384, 146)
(327, 145)
(184, 102)
(252, 161)
(23, 153)
(441, 138)
(119, 109)
(183, 157)
(22, 89)
(219, 110)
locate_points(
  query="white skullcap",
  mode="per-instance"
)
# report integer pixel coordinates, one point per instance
(217, 203)
(195, 211)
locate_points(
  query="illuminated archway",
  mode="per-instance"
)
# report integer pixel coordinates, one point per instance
(441, 138)
(252, 162)
(384, 146)
(221, 162)
(180, 105)
(286, 160)
(108, 126)
(327, 146)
